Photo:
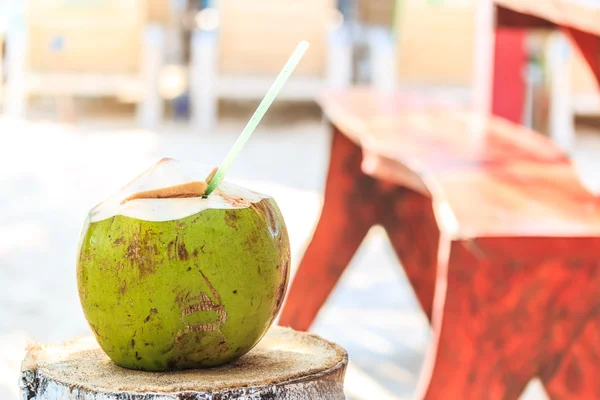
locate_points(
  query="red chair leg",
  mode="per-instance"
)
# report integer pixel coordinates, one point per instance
(467, 357)
(576, 377)
(508, 84)
(348, 213)
(589, 45)
(505, 311)
(408, 218)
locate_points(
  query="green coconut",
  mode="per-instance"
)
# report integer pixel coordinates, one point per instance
(181, 282)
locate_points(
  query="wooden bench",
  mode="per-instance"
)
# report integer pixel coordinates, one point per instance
(497, 236)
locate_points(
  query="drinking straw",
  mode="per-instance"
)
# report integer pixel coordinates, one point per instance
(264, 105)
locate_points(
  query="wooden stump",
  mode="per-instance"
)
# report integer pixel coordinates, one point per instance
(284, 365)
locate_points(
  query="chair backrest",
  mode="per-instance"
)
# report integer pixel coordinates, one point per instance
(436, 42)
(257, 37)
(93, 36)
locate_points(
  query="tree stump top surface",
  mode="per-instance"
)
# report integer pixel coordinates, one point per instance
(282, 356)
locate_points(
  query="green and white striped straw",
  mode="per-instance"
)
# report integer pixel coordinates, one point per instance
(264, 105)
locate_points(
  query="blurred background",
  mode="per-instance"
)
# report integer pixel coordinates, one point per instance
(94, 91)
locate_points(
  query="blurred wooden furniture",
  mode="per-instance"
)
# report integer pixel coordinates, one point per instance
(100, 48)
(376, 12)
(285, 365)
(460, 47)
(583, 15)
(583, 86)
(239, 48)
(579, 19)
(159, 11)
(497, 236)
(444, 29)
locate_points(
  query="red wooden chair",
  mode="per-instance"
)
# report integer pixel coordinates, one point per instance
(498, 238)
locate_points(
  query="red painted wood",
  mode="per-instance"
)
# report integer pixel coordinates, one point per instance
(589, 46)
(582, 15)
(521, 183)
(575, 377)
(354, 202)
(504, 318)
(508, 83)
(432, 133)
(516, 265)
(408, 219)
(346, 217)
(508, 18)
(498, 237)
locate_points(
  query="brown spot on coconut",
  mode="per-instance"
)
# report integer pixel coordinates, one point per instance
(211, 314)
(182, 251)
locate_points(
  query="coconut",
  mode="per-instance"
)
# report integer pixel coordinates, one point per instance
(171, 280)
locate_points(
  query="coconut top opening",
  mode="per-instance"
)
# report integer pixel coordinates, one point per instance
(170, 190)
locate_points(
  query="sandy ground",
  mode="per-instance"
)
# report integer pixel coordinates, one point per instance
(51, 174)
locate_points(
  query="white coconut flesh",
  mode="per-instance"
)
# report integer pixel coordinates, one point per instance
(171, 190)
